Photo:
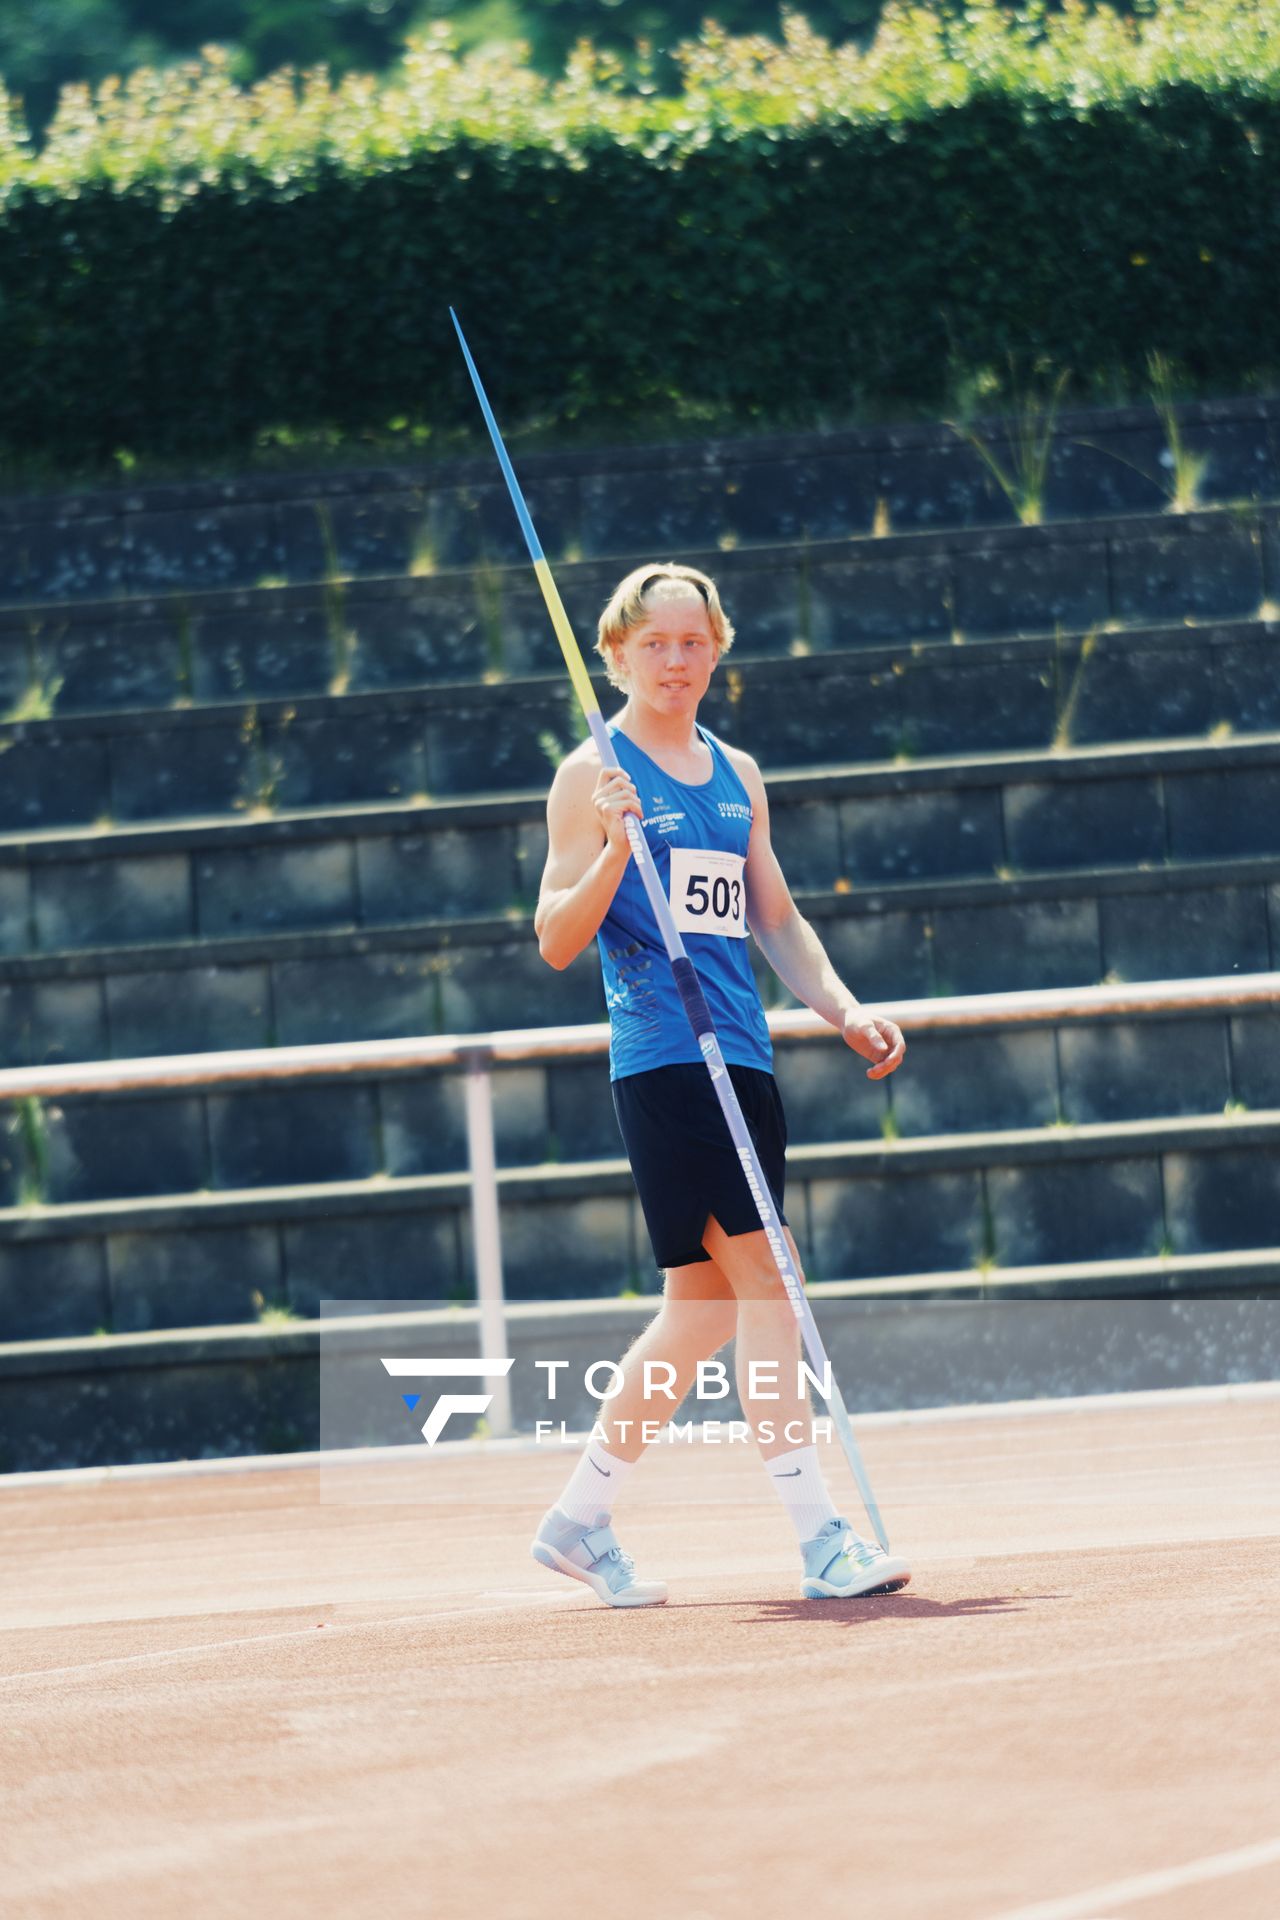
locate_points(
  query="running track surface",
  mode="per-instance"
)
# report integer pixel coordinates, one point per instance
(347, 1691)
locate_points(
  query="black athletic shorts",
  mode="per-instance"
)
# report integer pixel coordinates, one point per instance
(684, 1161)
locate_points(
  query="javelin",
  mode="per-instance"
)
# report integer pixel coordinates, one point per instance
(687, 982)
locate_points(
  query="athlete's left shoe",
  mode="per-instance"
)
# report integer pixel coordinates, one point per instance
(592, 1555)
(838, 1565)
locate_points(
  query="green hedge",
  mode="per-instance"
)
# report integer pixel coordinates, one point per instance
(803, 230)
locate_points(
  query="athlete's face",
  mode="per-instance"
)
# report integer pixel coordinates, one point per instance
(669, 658)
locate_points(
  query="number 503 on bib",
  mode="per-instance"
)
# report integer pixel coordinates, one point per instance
(708, 893)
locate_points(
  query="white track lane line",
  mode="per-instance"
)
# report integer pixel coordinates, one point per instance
(1095, 1904)
(1191, 1649)
(330, 1628)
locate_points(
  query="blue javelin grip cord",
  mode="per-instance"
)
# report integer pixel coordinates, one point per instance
(689, 986)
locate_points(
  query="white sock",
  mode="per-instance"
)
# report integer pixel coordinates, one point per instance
(799, 1484)
(594, 1484)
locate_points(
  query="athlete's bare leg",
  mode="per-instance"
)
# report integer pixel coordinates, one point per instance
(735, 1295)
(767, 1332)
(699, 1313)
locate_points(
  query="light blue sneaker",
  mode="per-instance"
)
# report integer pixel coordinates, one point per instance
(592, 1555)
(839, 1565)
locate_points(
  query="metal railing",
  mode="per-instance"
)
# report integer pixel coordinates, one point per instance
(479, 1053)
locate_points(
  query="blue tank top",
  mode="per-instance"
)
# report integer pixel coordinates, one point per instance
(649, 1027)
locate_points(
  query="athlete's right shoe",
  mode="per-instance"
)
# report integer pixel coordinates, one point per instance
(838, 1565)
(592, 1555)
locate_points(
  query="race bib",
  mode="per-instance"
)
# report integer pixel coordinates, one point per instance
(708, 893)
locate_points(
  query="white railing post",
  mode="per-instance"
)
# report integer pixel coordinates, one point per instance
(485, 1235)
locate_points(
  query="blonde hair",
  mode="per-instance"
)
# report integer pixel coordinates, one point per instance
(634, 598)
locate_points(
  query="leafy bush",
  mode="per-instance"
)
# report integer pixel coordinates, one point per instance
(802, 228)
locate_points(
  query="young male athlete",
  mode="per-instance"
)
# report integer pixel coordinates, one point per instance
(705, 817)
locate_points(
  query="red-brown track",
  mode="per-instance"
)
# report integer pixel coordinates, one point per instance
(347, 1691)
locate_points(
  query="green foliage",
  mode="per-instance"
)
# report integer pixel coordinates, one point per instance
(343, 640)
(33, 1132)
(1186, 469)
(1068, 700)
(46, 46)
(43, 47)
(264, 774)
(799, 232)
(486, 583)
(44, 683)
(1030, 429)
(1181, 472)
(552, 28)
(276, 1314)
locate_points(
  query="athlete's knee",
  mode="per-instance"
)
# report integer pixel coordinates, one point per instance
(700, 1327)
(756, 1278)
(768, 1323)
(749, 1261)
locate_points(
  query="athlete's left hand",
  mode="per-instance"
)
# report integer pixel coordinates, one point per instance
(875, 1039)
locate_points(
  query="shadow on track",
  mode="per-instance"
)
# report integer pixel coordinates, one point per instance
(866, 1608)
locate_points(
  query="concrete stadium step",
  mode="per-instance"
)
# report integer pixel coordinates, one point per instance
(720, 493)
(460, 738)
(912, 938)
(1113, 1190)
(365, 636)
(253, 1388)
(1156, 805)
(362, 1126)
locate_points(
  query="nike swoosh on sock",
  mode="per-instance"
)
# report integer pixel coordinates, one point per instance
(793, 1475)
(608, 1474)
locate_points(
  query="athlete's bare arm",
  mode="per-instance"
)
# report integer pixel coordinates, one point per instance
(587, 853)
(793, 949)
